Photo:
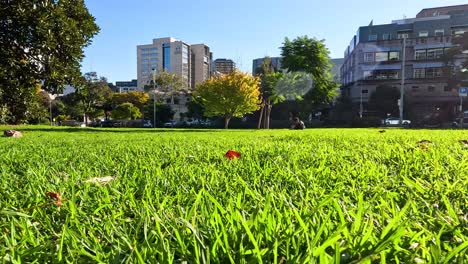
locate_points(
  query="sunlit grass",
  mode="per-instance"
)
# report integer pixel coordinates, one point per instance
(323, 196)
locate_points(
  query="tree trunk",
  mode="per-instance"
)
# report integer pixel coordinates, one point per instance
(265, 116)
(269, 106)
(226, 121)
(261, 116)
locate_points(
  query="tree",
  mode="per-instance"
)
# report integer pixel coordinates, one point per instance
(312, 56)
(92, 93)
(229, 95)
(168, 83)
(126, 111)
(456, 61)
(385, 100)
(195, 110)
(268, 80)
(138, 99)
(164, 112)
(41, 42)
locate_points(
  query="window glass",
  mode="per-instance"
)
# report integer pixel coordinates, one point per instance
(419, 73)
(423, 34)
(420, 54)
(369, 57)
(381, 56)
(372, 37)
(394, 55)
(439, 32)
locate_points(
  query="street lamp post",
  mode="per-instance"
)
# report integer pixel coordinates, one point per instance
(154, 101)
(402, 88)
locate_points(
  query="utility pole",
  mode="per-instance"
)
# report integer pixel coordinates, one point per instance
(402, 88)
(154, 102)
(361, 109)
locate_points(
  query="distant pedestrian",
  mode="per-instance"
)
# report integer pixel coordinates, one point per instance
(297, 124)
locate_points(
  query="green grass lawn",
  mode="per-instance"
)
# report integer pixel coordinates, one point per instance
(313, 196)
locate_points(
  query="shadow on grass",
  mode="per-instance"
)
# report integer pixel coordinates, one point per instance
(112, 130)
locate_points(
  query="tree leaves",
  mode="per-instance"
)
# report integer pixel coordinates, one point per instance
(229, 95)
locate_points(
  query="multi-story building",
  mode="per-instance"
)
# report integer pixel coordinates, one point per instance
(374, 58)
(191, 62)
(125, 87)
(201, 63)
(224, 66)
(257, 63)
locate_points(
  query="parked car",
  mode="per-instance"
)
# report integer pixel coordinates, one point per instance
(147, 123)
(456, 123)
(395, 121)
(170, 124)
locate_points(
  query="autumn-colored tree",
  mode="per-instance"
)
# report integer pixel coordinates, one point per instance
(138, 99)
(229, 95)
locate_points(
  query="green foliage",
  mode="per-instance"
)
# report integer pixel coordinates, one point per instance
(40, 40)
(310, 55)
(195, 110)
(126, 111)
(138, 99)
(456, 60)
(312, 196)
(229, 95)
(91, 94)
(167, 83)
(164, 112)
(385, 101)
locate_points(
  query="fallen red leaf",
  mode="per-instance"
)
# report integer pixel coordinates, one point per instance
(231, 154)
(56, 197)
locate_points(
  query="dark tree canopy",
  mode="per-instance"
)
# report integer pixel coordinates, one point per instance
(385, 100)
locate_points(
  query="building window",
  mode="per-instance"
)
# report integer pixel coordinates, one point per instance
(419, 73)
(394, 55)
(372, 37)
(435, 53)
(423, 34)
(439, 32)
(367, 75)
(431, 88)
(365, 91)
(420, 54)
(167, 57)
(458, 31)
(433, 72)
(368, 57)
(387, 36)
(415, 88)
(403, 35)
(447, 88)
(381, 56)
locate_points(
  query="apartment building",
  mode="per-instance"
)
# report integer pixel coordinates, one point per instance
(224, 66)
(127, 86)
(374, 58)
(201, 63)
(191, 62)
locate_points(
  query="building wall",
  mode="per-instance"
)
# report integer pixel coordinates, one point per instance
(275, 61)
(428, 38)
(224, 66)
(201, 63)
(164, 54)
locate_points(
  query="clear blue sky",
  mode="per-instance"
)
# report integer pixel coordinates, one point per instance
(241, 30)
